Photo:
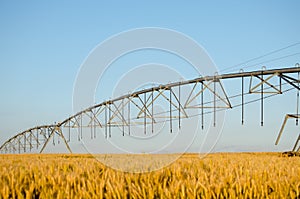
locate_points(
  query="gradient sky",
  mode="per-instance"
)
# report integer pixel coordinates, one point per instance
(43, 44)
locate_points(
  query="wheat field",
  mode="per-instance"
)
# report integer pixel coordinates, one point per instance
(220, 175)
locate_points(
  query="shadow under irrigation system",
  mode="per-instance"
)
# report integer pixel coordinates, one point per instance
(138, 108)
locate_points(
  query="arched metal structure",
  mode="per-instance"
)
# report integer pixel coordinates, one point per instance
(138, 108)
(30, 140)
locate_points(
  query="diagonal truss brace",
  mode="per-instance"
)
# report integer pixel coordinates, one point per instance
(150, 102)
(253, 89)
(288, 116)
(206, 86)
(291, 81)
(117, 112)
(56, 130)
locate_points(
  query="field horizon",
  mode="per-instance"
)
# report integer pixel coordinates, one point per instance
(218, 175)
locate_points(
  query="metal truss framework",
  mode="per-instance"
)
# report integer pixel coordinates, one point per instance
(138, 108)
(296, 147)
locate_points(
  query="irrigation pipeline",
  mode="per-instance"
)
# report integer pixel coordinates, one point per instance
(138, 108)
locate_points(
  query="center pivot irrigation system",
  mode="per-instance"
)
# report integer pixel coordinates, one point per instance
(140, 108)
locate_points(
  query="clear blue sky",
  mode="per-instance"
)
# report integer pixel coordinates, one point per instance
(43, 44)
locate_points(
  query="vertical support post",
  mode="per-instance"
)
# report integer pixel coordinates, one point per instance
(262, 99)
(297, 106)
(123, 125)
(179, 106)
(95, 125)
(109, 119)
(24, 142)
(214, 101)
(280, 83)
(171, 130)
(78, 130)
(105, 120)
(53, 140)
(19, 142)
(69, 131)
(37, 139)
(145, 115)
(58, 140)
(30, 145)
(297, 119)
(128, 116)
(152, 111)
(92, 122)
(81, 115)
(30, 142)
(242, 100)
(202, 111)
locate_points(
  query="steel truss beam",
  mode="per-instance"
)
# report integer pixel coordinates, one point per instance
(139, 108)
(28, 140)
